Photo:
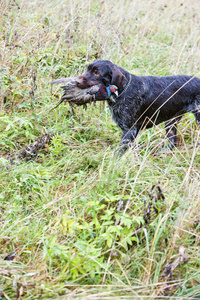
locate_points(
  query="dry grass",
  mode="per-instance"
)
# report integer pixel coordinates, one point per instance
(63, 234)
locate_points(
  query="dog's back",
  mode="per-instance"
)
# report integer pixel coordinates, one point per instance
(145, 100)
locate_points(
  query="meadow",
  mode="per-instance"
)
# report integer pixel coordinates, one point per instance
(77, 221)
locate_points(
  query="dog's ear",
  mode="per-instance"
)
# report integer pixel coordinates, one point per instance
(118, 78)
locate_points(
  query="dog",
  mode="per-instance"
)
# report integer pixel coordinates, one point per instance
(140, 102)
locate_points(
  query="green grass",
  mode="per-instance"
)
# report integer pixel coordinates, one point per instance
(74, 216)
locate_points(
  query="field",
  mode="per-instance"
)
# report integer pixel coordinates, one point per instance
(77, 221)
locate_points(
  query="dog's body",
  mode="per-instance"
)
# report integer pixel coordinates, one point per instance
(145, 100)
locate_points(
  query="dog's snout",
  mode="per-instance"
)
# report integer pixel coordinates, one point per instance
(84, 82)
(80, 81)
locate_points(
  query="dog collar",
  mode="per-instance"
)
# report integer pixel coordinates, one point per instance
(126, 86)
(111, 89)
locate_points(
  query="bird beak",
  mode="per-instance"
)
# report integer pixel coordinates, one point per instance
(112, 99)
(116, 93)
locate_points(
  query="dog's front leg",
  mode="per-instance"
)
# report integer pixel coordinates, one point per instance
(127, 139)
(171, 131)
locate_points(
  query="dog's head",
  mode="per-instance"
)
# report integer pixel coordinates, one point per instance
(101, 72)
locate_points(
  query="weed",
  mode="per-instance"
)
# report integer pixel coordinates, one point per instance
(75, 220)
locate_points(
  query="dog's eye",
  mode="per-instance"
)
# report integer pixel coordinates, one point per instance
(95, 72)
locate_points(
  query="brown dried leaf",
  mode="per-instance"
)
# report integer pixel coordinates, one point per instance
(155, 194)
(166, 288)
(31, 150)
(171, 266)
(5, 272)
(183, 254)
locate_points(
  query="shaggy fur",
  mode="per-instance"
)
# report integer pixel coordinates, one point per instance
(144, 101)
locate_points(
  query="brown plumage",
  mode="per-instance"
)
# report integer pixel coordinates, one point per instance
(75, 95)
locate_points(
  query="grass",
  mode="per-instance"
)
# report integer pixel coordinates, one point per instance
(76, 221)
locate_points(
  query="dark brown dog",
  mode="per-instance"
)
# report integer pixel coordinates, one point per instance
(144, 101)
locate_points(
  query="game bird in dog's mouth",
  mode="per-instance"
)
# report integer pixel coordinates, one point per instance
(76, 95)
(137, 102)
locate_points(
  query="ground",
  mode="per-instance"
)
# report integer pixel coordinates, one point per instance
(76, 221)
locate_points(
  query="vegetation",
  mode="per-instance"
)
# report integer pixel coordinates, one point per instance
(75, 220)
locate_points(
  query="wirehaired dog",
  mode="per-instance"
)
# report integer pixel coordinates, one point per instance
(144, 101)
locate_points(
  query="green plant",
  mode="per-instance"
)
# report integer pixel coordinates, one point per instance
(75, 220)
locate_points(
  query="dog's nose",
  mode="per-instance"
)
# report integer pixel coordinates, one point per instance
(80, 81)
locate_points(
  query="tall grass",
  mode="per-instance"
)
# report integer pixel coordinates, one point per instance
(77, 221)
